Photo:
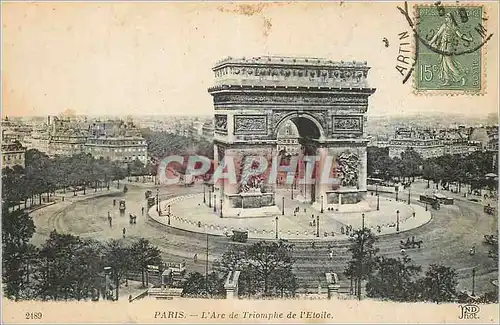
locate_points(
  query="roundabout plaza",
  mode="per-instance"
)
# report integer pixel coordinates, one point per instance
(297, 220)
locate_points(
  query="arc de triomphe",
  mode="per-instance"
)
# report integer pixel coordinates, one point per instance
(326, 100)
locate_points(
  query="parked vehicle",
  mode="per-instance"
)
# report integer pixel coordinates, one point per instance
(239, 236)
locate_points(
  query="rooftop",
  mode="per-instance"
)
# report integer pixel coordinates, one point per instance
(288, 60)
(12, 146)
(280, 71)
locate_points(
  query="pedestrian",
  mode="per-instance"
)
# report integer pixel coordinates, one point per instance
(472, 251)
(195, 258)
(110, 221)
(342, 231)
(142, 210)
(331, 254)
(124, 231)
(114, 202)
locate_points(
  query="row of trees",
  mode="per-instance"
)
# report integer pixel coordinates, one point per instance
(44, 175)
(266, 271)
(163, 144)
(65, 266)
(470, 169)
(399, 279)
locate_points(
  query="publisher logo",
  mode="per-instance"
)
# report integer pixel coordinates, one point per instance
(469, 311)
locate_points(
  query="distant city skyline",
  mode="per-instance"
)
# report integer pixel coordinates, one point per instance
(156, 58)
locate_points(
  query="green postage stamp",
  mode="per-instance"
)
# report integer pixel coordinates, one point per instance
(449, 48)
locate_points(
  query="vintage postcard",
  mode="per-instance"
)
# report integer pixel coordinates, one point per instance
(250, 162)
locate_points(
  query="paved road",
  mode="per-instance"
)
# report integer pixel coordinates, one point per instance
(447, 238)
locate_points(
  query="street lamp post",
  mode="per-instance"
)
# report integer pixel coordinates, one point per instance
(378, 202)
(409, 194)
(376, 189)
(322, 210)
(305, 182)
(317, 226)
(473, 281)
(215, 200)
(425, 205)
(363, 221)
(206, 262)
(276, 227)
(221, 208)
(204, 198)
(397, 192)
(168, 210)
(209, 198)
(292, 189)
(157, 200)
(283, 206)
(397, 220)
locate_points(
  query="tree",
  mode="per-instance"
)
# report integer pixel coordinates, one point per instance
(394, 279)
(17, 228)
(59, 256)
(143, 253)
(119, 258)
(261, 264)
(362, 263)
(194, 284)
(268, 258)
(411, 162)
(18, 263)
(439, 284)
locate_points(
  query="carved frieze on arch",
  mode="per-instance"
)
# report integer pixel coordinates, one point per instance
(221, 123)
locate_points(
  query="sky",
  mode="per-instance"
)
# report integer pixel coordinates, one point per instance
(156, 58)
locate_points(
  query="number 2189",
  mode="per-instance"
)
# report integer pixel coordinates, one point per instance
(35, 315)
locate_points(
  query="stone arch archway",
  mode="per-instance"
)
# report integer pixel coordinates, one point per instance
(307, 125)
(326, 100)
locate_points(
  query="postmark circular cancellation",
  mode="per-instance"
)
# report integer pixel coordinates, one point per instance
(448, 48)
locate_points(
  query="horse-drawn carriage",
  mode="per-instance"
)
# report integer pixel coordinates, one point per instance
(410, 243)
(238, 236)
(491, 239)
(151, 202)
(122, 206)
(488, 209)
